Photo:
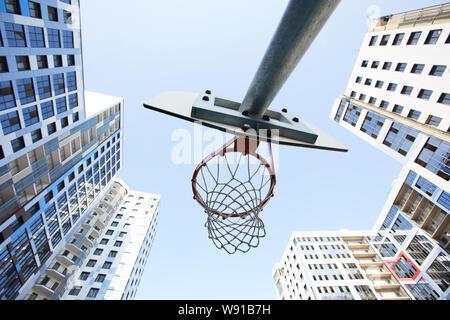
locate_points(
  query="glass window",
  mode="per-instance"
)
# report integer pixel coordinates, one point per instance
(398, 39)
(414, 114)
(379, 84)
(35, 9)
(47, 109)
(372, 124)
(30, 115)
(375, 64)
(61, 105)
(15, 34)
(51, 128)
(387, 65)
(400, 138)
(433, 121)
(53, 38)
(3, 65)
(100, 278)
(71, 81)
(84, 275)
(373, 40)
(44, 88)
(36, 135)
(67, 39)
(58, 83)
(444, 98)
(401, 66)
(417, 68)
(384, 104)
(437, 70)
(91, 263)
(364, 63)
(10, 122)
(7, 99)
(42, 62)
(26, 90)
(12, 6)
(433, 36)
(391, 87)
(439, 271)
(384, 40)
(107, 265)
(435, 156)
(425, 94)
(352, 114)
(92, 293)
(52, 14)
(73, 101)
(36, 37)
(414, 38)
(23, 63)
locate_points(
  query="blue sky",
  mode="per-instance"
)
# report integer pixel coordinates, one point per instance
(138, 49)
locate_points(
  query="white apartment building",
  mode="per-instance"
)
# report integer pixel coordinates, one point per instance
(334, 265)
(106, 256)
(397, 100)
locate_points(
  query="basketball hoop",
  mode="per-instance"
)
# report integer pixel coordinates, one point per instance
(233, 192)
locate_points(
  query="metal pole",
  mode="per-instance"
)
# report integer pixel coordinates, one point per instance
(301, 22)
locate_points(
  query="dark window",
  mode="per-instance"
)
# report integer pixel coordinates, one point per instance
(112, 254)
(92, 293)
(387, 65)
(368, 82)
(107, 265)
(437, 70)
(35, 9)
(407, 90)
(375, 64)
(64, 122)
(417, 68)
(364, 63)
(401, 66)
(100, 278)
(392, 87)
(433, 121)
(18, 144)
(51, 128)
(71, 60)
(448, 39)
(75, 117)
(433, 36)
(67, 17)
(23, 63)
(12, 6)
(414, 38)
(384, 40)
(84, 275)
(384, 104)
(444, 98)
(414, 114)
(36, 135)
(42, 62)
(362, 97)
(52, 14)
(425, 94)
(379, 84)
(91, 263)
(3, 65)
(117, 243)
(398, 39)
(358, 79)
(373, 40)
(57, 61)
(397, 109)
(98, 252)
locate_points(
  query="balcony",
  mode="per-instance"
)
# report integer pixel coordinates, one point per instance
(55, 274)
(74, 248)
(368, 264)
(356, 245)
(379, 275)
(43, 290)
(386, 286)
(364, 254)
(64, 260)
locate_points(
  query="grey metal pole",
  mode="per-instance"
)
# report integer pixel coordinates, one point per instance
(301, 22)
